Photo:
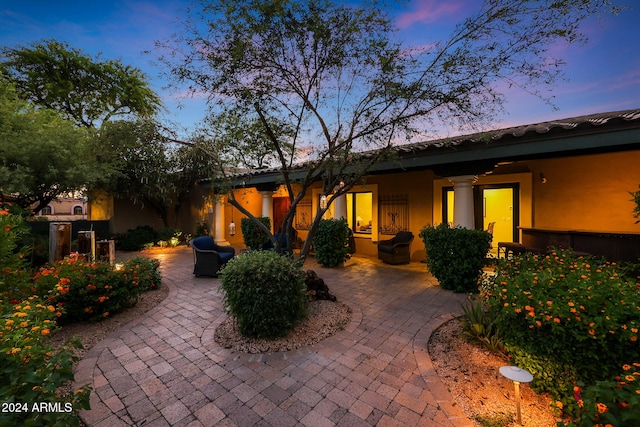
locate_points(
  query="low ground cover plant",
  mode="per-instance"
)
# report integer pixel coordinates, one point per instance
(615, 402)
(565, 319)
(265, 292)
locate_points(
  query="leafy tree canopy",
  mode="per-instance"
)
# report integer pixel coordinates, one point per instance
(337, 78)
(86, 90)
(141, 163)
(42, 155)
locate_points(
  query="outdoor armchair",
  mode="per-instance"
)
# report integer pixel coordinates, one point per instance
(209, 257)
(396, 250)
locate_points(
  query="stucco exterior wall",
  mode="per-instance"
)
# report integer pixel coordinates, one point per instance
(587, 193)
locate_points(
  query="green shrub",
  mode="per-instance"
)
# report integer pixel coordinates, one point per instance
(615, 402)
(565, 319)
(331, 242)
(253, 236)
(137, 239)
(94, 290)
(14, 275)
(202, 229)
(31, 370)
(455, 256)
(172, 236)
(265, 293)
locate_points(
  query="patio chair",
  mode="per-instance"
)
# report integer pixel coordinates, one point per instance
(396, 250)
(208, 257)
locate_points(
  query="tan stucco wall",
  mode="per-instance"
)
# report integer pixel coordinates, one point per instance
(586, 193)
(579, 193)
(100, 207)
(251, 200)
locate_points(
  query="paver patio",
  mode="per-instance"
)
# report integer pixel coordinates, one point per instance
(165, 369)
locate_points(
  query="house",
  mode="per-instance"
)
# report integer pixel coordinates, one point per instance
(558, 183)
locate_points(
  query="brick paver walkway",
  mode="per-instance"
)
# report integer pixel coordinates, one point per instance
(165, 369)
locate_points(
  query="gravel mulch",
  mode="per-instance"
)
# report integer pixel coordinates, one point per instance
(325, 319)
(471, 373)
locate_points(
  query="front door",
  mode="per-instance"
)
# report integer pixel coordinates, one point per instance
(281, 206)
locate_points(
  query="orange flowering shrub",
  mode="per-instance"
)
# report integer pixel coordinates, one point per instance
(610, 403)
(94, 290)
(31, 371)
(565, 319)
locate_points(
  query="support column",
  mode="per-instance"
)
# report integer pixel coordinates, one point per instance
(267, 206)
(221, 226)
(340, 207)
(463, 200)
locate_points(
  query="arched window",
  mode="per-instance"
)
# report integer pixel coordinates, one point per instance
(47, 210)
(78, 210)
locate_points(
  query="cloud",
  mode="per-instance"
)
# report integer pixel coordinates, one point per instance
(426, 11)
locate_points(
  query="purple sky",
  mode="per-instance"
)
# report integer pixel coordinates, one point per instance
(603, 75)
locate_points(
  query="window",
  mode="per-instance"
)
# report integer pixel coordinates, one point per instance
(47, 210)
(360, 212)
(77, 210)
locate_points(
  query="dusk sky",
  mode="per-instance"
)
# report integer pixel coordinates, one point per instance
(603, 75)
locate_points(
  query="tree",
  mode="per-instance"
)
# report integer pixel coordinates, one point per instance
(337, 80)
(141, 163)
(42, 155)
(86, 90)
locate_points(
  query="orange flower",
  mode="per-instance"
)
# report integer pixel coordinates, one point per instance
(601, 407)
(556, 320)
(45, 332)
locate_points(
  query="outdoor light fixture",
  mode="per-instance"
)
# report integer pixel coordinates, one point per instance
(232, 225)
(517, 375)
(323, 202)
(543, 179)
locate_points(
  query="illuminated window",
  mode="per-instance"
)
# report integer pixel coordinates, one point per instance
(360, 212)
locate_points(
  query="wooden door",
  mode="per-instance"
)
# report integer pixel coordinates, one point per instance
(281, 206)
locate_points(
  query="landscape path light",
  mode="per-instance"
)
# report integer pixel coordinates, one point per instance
(517, 375)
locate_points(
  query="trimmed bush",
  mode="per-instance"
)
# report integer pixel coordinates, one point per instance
(455, 256)
(265, 293)
(331, 242)
(565, 319)
(253, 236)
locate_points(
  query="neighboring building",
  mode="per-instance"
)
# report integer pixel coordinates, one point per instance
(564, 182)
(70, 207)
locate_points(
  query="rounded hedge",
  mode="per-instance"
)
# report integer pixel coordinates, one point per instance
(265, 293)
